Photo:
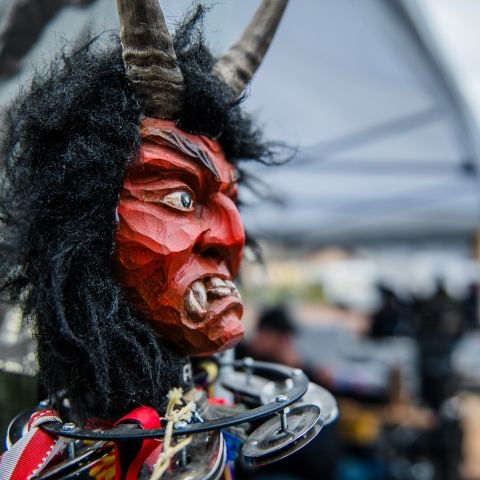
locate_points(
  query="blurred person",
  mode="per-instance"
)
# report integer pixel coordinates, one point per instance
(470, 307)
(273, 339)
(391, 318)
(440, 324)
(442, 313)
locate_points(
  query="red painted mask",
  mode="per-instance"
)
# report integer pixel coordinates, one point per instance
(180, 239)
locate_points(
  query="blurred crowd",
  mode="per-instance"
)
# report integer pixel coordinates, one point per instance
(387, 429)
(436, 323)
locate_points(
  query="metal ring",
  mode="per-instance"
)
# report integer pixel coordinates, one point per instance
(126, 432)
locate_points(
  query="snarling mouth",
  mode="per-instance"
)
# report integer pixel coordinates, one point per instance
(201, 295)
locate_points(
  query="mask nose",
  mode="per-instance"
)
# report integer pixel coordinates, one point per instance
(224, 237)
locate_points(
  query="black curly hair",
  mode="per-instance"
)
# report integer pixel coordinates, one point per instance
(66, 143)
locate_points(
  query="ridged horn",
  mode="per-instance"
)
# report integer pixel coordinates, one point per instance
(150, 61)
(237, 67)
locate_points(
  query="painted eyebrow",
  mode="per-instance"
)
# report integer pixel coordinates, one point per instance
(190, 178)
(187, 147)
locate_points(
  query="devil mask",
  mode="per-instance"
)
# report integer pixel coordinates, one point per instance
(180, 239)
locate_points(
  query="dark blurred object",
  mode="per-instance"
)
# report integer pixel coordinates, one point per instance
(441, 314)
(317, 460)
(277, 319)
(470, 307)
(17, 392)
(273, 339)
(18, 383)
(22, 23)
(440, 324)
(391, 317)
(423, 450)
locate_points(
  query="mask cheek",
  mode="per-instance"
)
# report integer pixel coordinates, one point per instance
(134, 257)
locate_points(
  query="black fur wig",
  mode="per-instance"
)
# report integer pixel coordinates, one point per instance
(66, 144)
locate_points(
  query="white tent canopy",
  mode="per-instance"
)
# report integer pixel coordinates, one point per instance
(387, 146)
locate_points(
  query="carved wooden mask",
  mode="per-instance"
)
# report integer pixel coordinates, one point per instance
(180, 239)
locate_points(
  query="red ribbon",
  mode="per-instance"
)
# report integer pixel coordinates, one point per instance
(145, 417)
(34, 451)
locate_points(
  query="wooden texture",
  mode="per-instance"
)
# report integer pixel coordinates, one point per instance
(177, 260)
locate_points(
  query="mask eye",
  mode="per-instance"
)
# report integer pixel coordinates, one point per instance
(180, 199)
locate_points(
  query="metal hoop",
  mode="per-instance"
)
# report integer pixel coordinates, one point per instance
(131, 432)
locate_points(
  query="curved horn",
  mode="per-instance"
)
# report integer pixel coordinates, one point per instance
(149, 58)
(237, 67)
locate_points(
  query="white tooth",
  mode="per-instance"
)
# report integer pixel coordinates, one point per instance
(217, 282)
(194, 308)
(234, 288)
(200, 293)
(219, 292)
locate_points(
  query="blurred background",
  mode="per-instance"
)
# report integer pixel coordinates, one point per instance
(370, 236)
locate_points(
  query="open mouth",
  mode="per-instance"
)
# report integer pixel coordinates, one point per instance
(202, 294)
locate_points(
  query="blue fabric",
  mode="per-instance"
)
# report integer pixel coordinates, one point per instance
(233, 445)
